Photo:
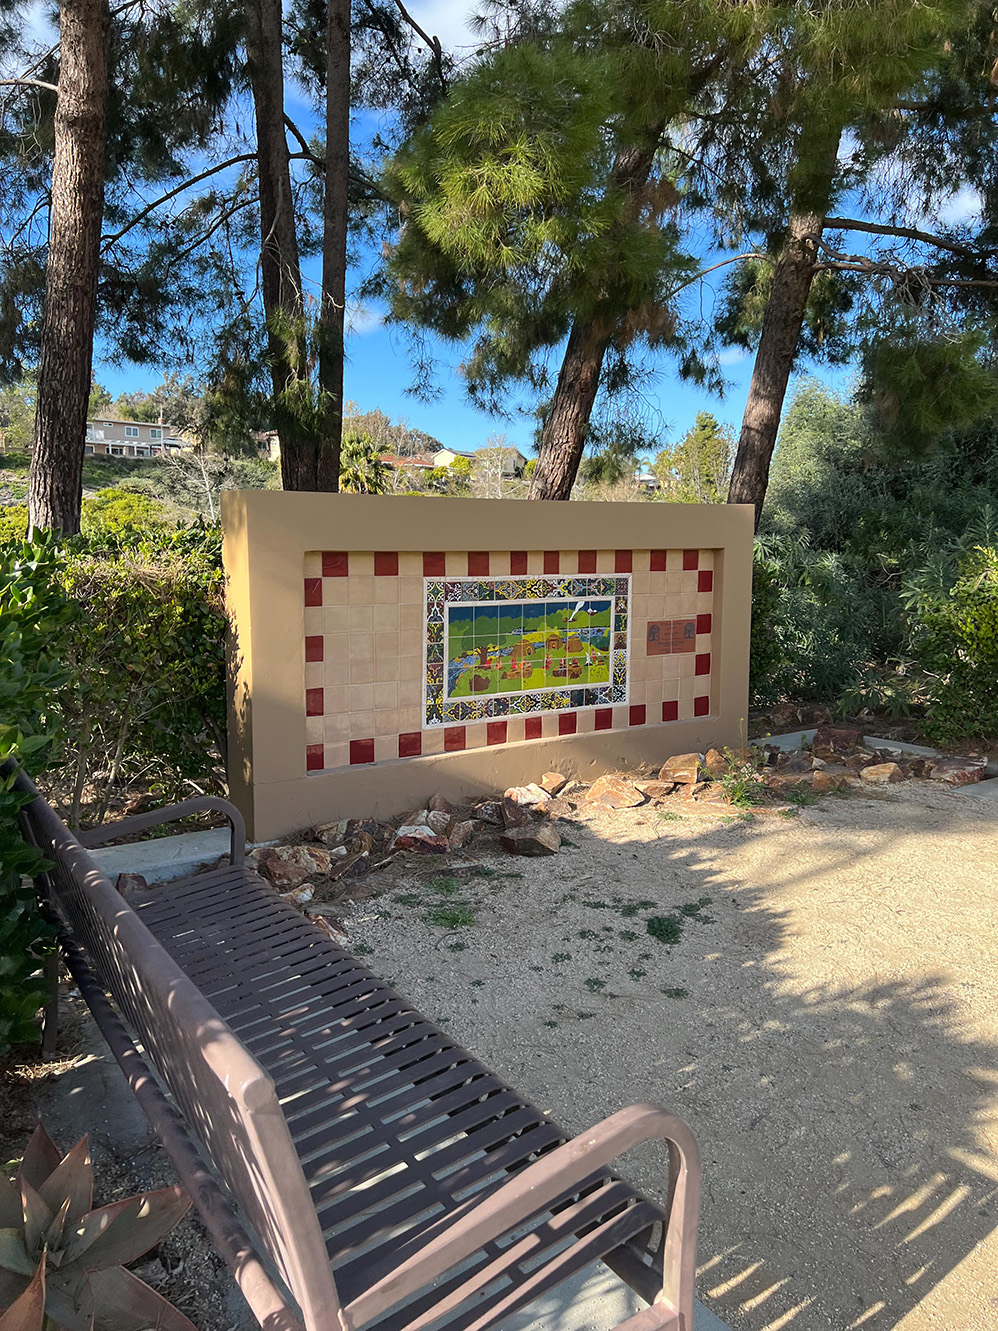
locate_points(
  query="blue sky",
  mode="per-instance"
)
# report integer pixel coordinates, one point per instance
(378, 372)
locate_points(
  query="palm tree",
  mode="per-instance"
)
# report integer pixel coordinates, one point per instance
(361, 469)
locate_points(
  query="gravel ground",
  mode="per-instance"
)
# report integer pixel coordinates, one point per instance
(826, 1022)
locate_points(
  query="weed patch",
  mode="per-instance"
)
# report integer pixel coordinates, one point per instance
(450, 917)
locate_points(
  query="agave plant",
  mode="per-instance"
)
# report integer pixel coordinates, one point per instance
(63, 1264)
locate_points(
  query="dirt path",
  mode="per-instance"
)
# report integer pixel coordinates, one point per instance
(827, 1023)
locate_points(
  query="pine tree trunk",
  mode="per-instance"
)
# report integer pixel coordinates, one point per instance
(332, 311)
(72, 267)
(781, 327)
(280, 269)
(567, 423)
(563, 439)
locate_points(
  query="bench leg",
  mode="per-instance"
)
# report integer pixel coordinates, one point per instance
(50, 1016)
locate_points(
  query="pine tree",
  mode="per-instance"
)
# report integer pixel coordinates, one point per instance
(696, 469)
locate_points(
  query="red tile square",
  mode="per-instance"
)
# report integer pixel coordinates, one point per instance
(478, 563)
(552, 561)
(701, 706)
(313, 647)
(670, 711)
(454, 739)
(386, 564)
(623, 561)
(335, 563)
(496, 732)
(657, 561)
(638, 714)
(313, 702)
(434, 564)
(568, 723)
(314, 760)
(703, 623)
(410, 744)
(361, 751)
(587, 561)
(705, 580)
(532, 727)
(691, 560)
(313, 591)
(701, 664)
(604, 718)
(517, 561)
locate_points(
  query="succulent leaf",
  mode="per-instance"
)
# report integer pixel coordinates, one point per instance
(37, 1217)
(70, 1305)
(123, 1302)
(13, 1254)
(27, 1312)
(11, 1215)
(138, 1226)
(54, 1233)
(71, 1180)
(41, 1157)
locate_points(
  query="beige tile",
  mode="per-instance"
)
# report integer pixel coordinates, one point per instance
(656, 606)
(334, 697)
(456, 564)
(360, 589)
(335, 729)
(313, 674)
(313, 620)
(361, 724)
(641, 583)
(337, 755)
(640, 562)
(640, 608)
(705, 603)
(362, 671)
(409, 719)
(410, 670)
(313, 564)
(586, 721)
(689, 582)
(361, 646)
(514, 729)
(411, 693)
(386, 644)
(336, 618)
(549, 725)
(360, 698)
(433, 740)
(686, 665)
(336, 650)
(674, 584)
(605, 561)
(671, 667)
(701, 685)
(476, 735)
(670, 690)
(386, 618)
(387, 723)
(386, 747)
(687, 688)
(685, 709)
(385, 669)
(361, 618)
(411, 619)
(674, 561)
(688, 606)
(706, 558)
(638, 691)
(336, 591)
(411, 591)
(361, 564)
(386, 694)
(387, 591)
(314, 727)
(535, 561)
(411, 564)
(621, 718)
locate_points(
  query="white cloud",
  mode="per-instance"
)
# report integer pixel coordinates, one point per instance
(964, 206)
(362, 319)
(446, 19)
(732, 356)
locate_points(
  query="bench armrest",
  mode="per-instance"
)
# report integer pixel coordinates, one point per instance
(139, 822)
(537, 1185)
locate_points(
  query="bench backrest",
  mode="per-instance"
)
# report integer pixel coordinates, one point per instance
(228, 1101)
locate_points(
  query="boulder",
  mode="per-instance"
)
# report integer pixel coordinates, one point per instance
(282, 873)
(489, 811)
(794, 760)
(818, 764)
(301, 895)
(130, 882)
(331, 834)
(815, 716)
(615, 793)
(833, 743)
(313, 859)
(784, 716)
(439, 821)
(464, 833)
(787, 780)
(437, 804)
(527, 795)
(881, 774)
(552, 782)
(364, 827)
(515, 815)
(860, 759)
(715, 762)
(557, 808)
(417, 834)
(683, 769)
(822, 782)
(958, 771)
(331, 929)
(538, 839)
(656, 790)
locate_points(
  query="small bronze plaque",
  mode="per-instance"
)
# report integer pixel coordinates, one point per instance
(666, 637)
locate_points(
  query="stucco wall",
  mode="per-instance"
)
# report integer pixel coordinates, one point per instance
(384, 648)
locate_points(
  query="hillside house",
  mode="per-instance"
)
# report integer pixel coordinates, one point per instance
(132, 439)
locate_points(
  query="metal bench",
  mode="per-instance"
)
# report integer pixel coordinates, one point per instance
(388, 1179)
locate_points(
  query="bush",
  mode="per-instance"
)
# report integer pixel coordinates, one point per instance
(13, 524)
(35, 619)
(113, 512)
(954, 605)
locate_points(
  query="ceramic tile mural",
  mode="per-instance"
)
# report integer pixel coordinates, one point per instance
(416, 653)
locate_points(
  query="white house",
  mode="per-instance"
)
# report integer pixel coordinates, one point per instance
(513, 461)
(132, 439)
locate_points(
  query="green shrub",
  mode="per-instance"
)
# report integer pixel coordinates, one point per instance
(13, 524)
(35, 620)
(114, 511)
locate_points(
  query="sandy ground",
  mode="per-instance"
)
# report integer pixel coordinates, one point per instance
(827, 1023)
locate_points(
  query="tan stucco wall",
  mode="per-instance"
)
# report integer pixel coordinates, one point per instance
(272, 541)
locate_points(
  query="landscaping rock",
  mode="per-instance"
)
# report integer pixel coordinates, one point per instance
(557, 808)
(833, 743)
(815, 716)
(437, 804)
(538, 839)
(130, 882)
(281, 872)
(331, 834)
(787, 780)
(527, 795)
(417, 834)
(794, 760)
(365, 826)
(330, 929)
(881, 774)
(301, 895)
(553, 782)
(818, 764)
(785, 716)
(684, 769)
(715, 762)
(958, 771)
(860, 759)
(656, 790)
(313, 859)
(615, 793)
(439, 821)
(515, 815)
(489, 811)
(822, 782)
(464, 833)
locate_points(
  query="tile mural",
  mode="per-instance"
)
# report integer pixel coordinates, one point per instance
(415, 653)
